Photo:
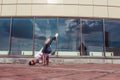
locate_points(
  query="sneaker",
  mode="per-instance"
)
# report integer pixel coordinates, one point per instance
(56, 35)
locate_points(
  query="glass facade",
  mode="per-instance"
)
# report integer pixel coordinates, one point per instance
(69, 34)
(4, 35)
(21, 36)
(88, 37)
(92, 37)
(112, 38)
(44, 28)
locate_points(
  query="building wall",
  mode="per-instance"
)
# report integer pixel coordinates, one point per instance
(74, 8)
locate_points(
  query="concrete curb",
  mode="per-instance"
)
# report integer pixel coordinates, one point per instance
(62, 60)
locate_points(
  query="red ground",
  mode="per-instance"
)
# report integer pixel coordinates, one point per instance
(60, 72)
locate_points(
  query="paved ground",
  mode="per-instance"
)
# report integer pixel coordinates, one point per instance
(60, 72)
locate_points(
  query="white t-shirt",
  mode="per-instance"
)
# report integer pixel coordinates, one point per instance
(38, 55)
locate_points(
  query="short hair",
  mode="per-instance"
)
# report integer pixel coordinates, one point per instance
(31, 62)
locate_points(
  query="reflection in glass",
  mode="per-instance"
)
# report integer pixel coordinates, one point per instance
(85, 37)
(21, 36)
(44, 28)
(112, 38)
(4, 35)
(92, 37)
(69, 34)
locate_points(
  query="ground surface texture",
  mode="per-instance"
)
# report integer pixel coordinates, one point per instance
(60, 72)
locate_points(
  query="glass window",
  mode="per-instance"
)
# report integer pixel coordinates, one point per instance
(22, 35)
(44, 28)
(92, 37)
(69, 34)
(4, 35)
(112, 38)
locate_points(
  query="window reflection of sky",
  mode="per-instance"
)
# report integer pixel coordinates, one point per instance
(45, 28)
(68, 28)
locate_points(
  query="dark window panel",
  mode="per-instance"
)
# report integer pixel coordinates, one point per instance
(4, 35)
(112, 38)
(22, 36)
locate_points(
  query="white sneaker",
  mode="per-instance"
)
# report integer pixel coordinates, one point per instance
(56, 35)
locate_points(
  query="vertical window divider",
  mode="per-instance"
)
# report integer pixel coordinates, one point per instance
(80, 37)
(104, 49)
(57, 39)
(33, 48)
(9, 52)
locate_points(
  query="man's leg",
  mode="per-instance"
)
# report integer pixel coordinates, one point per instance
(43, 59)
(47, 60)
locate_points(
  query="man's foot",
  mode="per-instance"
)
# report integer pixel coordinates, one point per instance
(56, 35)
(45, 64)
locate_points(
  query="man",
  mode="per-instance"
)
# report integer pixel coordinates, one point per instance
(43, 55)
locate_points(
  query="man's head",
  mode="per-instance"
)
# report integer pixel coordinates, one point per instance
(31, 62)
